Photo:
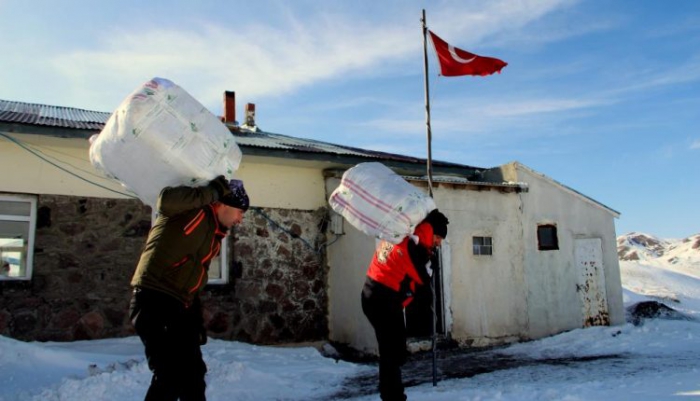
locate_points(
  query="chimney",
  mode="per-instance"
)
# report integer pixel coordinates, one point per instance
(250, 114)
(230, 107)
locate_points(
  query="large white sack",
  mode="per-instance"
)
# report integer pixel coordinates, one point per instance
(380, 203)
(161, 136)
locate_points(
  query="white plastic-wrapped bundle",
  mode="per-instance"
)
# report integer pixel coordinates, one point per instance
(380, 203)
(161, 136)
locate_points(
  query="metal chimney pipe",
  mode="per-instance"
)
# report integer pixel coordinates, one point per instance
(229, 107)
(250, 114)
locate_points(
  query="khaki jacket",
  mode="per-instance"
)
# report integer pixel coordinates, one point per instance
(182, 242)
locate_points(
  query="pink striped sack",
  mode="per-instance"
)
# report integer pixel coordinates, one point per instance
(378, 202)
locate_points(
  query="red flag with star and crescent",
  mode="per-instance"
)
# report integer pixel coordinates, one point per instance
(456, 62)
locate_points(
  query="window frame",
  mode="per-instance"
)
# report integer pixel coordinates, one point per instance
(31, 235)
(554, 246)
(481, 247)
(222, 259)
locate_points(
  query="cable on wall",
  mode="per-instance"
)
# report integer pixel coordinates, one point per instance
(257, 210)
(36, 154)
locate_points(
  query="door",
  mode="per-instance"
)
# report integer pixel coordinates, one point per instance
(591, 282)
(419, 313)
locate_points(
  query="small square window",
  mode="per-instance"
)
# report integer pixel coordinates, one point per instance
(547, 237)
(482, 245)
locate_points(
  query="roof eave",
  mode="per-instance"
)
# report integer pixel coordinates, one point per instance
(59, 132)
(416, 167)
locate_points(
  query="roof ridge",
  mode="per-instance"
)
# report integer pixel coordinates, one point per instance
(43, 105)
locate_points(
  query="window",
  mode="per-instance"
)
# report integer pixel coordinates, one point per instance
(17, 226)
(218, 268)
(547, 237)
(482, 245)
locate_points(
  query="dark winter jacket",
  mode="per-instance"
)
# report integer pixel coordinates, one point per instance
(182, 242)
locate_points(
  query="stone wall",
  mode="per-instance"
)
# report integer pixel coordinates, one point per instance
(280, 292)
(84, 255)
(86, 250)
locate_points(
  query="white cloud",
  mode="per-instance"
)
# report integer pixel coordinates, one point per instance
(540, 106)
(484, 19)
(257, 60)
(695, 144)
(404, 127)
(479, 118)
(649, 79)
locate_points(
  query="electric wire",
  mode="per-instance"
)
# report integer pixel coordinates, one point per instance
(276, 225)
(36, 154)
(44, 157)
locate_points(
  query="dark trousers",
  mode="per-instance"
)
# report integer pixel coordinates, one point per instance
(170, 333)
(383, 307)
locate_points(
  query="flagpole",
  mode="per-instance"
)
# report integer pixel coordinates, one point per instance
(429, 163)
(427, 106)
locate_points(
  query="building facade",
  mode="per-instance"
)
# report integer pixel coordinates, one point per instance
(525, 257)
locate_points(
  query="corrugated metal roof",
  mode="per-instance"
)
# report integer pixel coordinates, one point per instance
(278, 141)
(52, 116)
(268, 140)
(72, 118)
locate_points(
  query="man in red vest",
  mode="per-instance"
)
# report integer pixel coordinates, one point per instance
(391, 280)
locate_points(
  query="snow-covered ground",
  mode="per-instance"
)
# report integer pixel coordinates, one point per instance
(658, 360)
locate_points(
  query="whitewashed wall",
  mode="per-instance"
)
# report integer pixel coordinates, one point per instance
(488, 300)
(274, 185)
(25, 172)
(517, 293)
(348, 259)
(553, 302)
(485, 295)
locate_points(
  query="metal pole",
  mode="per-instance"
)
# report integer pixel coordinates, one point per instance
(429, 163)
(427, 106)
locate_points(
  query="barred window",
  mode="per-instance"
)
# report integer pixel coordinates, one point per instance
(482, 245)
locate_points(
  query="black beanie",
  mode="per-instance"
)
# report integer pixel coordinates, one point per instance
(439, 223)
(238, 198)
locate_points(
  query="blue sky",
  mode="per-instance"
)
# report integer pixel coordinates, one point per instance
(603, 96)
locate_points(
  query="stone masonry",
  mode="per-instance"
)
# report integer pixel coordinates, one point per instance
(280, 292)
(86, 250)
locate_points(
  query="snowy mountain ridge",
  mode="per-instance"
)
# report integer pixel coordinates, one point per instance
(646, 248)
(666, 270)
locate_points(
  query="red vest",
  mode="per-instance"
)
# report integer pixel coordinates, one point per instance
(391, 263)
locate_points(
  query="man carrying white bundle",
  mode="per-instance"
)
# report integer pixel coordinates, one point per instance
(165, 308)
(391, 282)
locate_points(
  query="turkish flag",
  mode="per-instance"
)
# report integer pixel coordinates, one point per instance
(455, 62)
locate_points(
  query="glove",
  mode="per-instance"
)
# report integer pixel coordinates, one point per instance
(407, 288)
(220, 185)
